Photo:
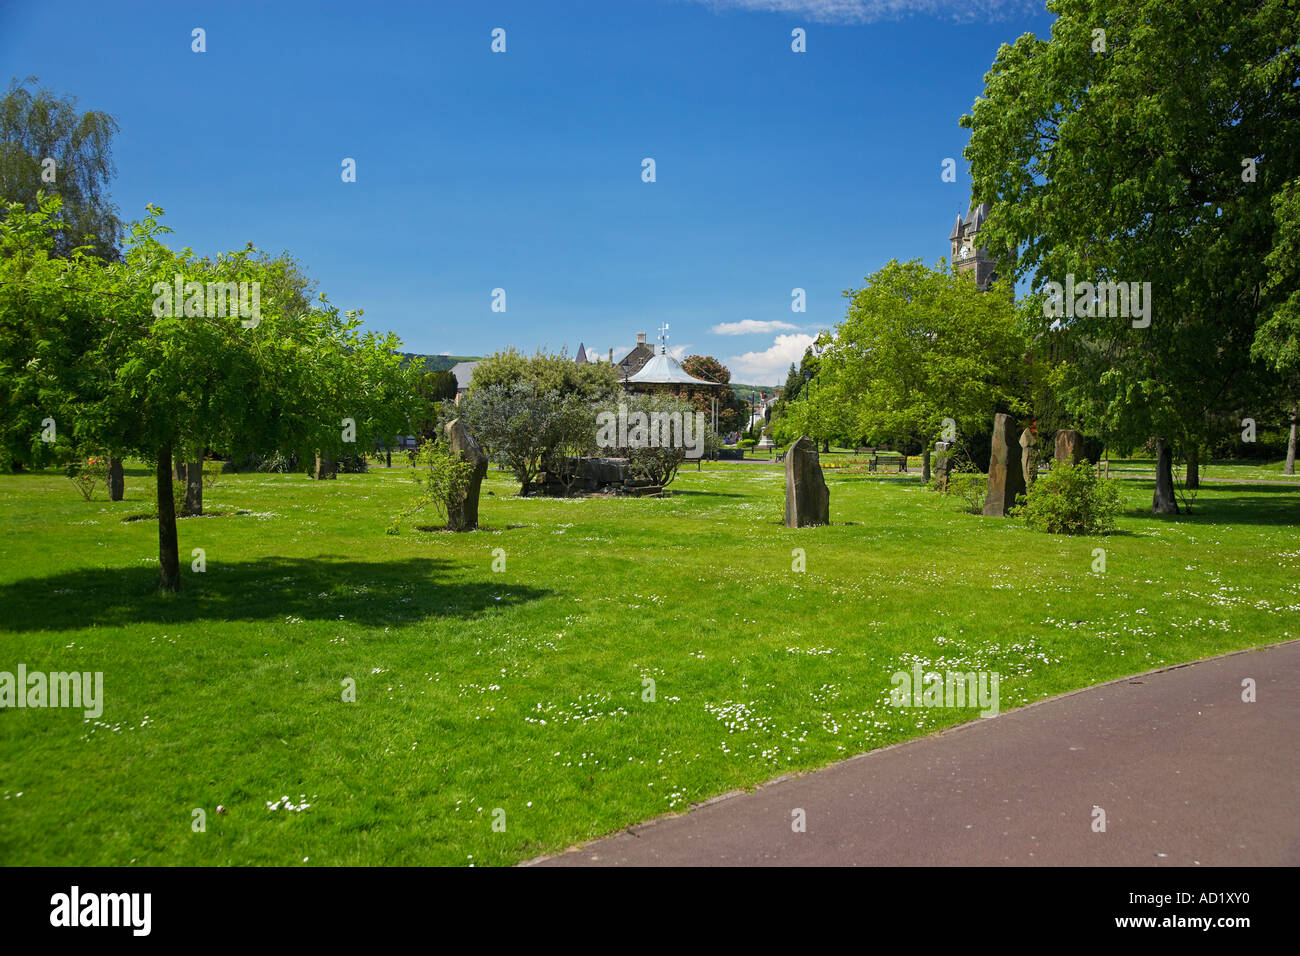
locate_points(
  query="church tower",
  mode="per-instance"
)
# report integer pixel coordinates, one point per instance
(967, 254)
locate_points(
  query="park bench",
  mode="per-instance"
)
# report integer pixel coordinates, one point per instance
(884, 460)
(865, 450)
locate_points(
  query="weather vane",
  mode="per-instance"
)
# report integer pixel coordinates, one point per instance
(663, 337)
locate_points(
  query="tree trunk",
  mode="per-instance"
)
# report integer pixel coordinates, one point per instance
(169, 565)
(388, 456)
(826, 447)
(1290, 445)
(1163, 503)
(194, 488)
(925, 465)
(1193, 481)
(180, 471)
(326, 467)
(116, 483)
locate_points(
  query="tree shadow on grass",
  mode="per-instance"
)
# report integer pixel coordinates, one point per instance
(271, 589)
(1239, 504)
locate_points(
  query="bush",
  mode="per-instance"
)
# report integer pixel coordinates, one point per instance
(969, 486)
(1071, 499)
(659, 463)
(747, 443)
(87, 474)
(443, 479)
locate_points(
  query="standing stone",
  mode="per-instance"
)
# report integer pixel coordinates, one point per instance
(942, 463)
(1006, 480)
(807, 499)
(463, 515)
(1069, 446)
(326, 467)
(1029, 455)
(116, 484)
(193, 488)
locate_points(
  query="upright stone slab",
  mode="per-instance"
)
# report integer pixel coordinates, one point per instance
(463, 515)
(807, 499)
(1069, 446)
(1029, 455)
(1006, 480)
(116, 484)
(326, 467)
(942, 463)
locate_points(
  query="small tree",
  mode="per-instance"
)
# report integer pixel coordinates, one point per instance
(660, 463)
(443, 479)
(515, 424)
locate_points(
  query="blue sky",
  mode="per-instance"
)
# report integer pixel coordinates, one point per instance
(522, 170)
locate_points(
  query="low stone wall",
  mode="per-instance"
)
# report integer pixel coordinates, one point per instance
(594, 476)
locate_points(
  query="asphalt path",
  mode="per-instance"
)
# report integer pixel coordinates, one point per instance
(1186, 772)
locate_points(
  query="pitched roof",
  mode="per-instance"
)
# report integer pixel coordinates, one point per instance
(464, 371)
(634, 360)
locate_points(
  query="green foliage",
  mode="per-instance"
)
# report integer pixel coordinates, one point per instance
(969, 487)
(518, 425)
(442, 478)
(88, 474)
(1071, 499)
(917, 345)
(89, 344)
(434, 388)
(733, 411)
(659, 465)
(36, 125)
(545, 372)
(1124, 165)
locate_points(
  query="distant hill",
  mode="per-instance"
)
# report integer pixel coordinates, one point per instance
(437, 363)
(751, 392)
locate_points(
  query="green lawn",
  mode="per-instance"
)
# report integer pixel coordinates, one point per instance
(522, 689)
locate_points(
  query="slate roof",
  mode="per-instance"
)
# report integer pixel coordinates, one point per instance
(464, 371)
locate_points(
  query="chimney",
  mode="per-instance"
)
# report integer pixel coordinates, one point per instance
(640, 338)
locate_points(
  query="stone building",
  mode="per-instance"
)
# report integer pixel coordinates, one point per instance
(967, 255)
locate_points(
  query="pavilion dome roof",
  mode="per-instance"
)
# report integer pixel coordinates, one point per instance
(663, 369)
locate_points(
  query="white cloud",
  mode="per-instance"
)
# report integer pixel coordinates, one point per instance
(769, 366)
(750, 326)
(871, 11)
(679, 352)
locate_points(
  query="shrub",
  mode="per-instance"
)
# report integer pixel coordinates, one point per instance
(1071, 499)
(659, 463)
(87, 474)
(969, 486)
(442, 479)
(353, 465)
(747, 443)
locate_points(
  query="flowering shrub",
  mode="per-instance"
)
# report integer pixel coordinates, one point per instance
(88, 474)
